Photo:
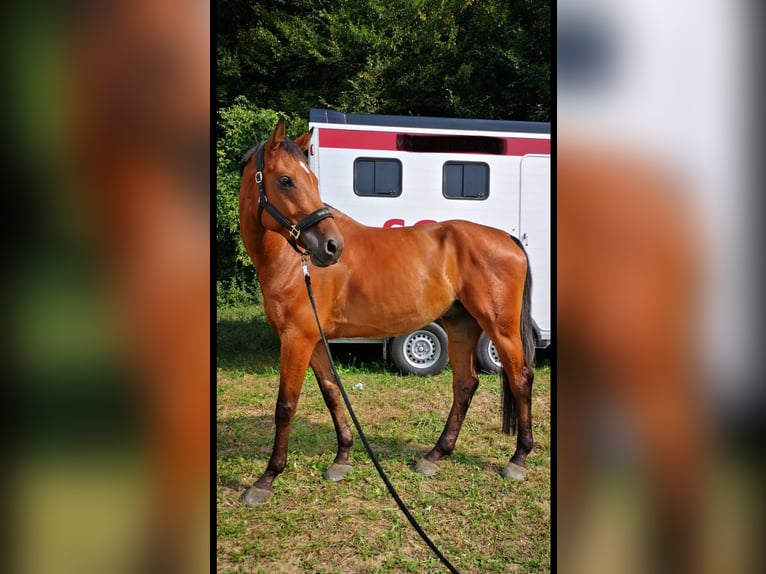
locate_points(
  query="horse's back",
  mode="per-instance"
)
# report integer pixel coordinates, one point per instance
(446, 236)
(402, 278)
(447, 248)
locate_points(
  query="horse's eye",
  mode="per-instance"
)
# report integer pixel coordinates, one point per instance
(285, 181)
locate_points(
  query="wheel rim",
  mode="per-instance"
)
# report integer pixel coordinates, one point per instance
(493, 356)
(422, 349)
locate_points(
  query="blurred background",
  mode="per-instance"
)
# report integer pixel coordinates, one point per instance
(659, 397)
(659, 391)
(107, 158)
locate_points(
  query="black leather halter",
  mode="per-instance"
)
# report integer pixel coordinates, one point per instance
(263, 203)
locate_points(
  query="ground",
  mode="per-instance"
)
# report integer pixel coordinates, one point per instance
(481, 522)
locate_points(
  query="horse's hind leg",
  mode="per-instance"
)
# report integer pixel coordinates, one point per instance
(463, 333)
(517, 402)
(320, 364)
(294, 360)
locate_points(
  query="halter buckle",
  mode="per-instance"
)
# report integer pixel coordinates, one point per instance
(258, 177)
(295, 233)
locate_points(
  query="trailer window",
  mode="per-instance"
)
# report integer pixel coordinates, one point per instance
(450, 144)
(378, 177)
(463, 180)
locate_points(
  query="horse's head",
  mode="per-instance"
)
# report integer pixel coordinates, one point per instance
(289, 201)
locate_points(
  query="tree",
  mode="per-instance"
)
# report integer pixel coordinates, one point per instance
(452, 58)
(466, 58)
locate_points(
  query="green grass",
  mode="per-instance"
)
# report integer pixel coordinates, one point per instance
(481, 522)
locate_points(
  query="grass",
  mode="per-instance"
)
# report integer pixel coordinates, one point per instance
(479, 521)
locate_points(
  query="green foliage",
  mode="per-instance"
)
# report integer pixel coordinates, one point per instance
(454, 58)
(240, 127)
(235, 293)
(450, 58)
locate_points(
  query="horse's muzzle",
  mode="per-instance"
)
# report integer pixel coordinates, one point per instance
(324, 249)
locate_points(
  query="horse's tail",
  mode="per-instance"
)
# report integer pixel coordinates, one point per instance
(510, 409)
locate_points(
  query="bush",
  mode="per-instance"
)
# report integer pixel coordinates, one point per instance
(240, 126)
(234, 293)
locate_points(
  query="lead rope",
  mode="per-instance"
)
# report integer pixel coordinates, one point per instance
(368, 448)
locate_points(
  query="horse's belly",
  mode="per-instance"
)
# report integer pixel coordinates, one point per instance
(388, 314)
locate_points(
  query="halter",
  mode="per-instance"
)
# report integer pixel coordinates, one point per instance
(263, 203)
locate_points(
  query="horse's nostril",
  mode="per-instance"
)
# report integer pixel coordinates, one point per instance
(331, 247)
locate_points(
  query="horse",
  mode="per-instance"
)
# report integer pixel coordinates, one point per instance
(139, 142)
(469, 276)
(629, 268)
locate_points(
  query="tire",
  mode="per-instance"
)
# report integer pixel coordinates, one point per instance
(422, 352)
(486, 355)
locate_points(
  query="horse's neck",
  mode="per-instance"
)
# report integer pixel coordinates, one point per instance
(270, 253)
(262, 240)
(346, 223)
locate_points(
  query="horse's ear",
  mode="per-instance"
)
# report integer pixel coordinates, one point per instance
(278, 135)
(303, 141)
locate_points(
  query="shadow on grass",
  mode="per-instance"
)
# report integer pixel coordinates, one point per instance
(244, 340)
(246, 343)
(251, 438)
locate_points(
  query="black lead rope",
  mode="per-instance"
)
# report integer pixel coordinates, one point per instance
(362, 436)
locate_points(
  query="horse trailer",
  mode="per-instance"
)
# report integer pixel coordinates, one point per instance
(389, 171)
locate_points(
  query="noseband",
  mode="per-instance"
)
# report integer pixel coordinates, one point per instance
(263, 203)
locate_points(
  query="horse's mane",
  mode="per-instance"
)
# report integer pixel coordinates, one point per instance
(288, 145)
(246, 158)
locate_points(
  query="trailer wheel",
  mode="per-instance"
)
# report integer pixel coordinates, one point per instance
(422, 352)
(487, 358)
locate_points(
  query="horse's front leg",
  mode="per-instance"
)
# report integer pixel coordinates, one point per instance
(294, 360)
(320, 363)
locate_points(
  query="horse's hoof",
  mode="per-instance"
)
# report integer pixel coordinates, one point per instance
(514, 471)
(426, 467)
(337, 472)
(255, 496)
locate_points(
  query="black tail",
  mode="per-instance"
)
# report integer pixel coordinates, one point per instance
(510, 410)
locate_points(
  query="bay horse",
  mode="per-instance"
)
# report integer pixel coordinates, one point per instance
(138, 91)
(372, 282)
(630, 271)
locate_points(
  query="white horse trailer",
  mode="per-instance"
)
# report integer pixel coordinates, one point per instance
(389, 171)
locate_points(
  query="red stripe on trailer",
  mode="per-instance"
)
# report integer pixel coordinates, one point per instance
(386, 141)
(524, 146)
(357, 139)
